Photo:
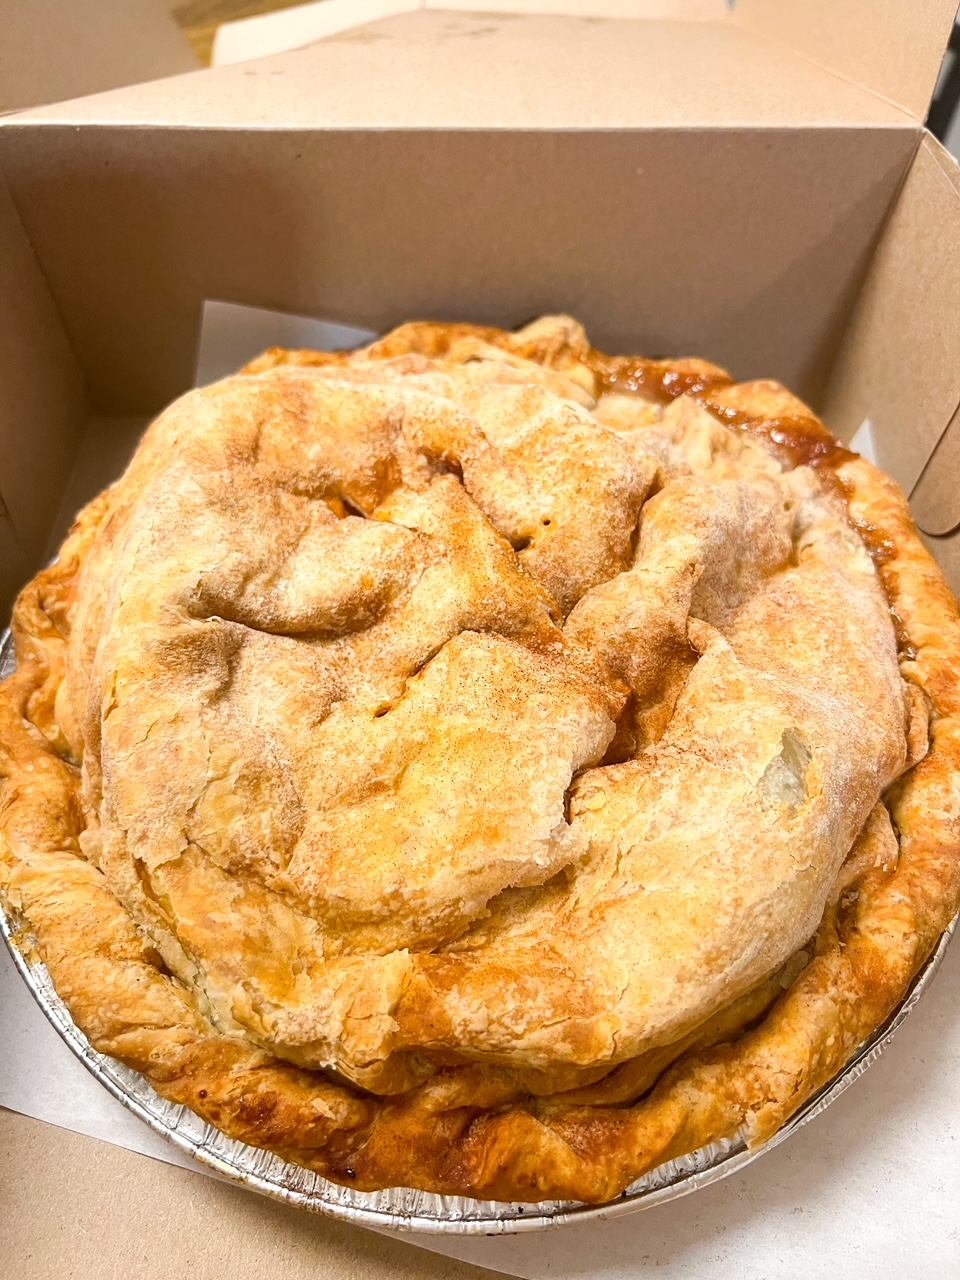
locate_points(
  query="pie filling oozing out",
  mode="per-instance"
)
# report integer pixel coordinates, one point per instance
(481, 764)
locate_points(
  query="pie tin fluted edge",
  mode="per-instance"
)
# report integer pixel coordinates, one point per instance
(400, 1208)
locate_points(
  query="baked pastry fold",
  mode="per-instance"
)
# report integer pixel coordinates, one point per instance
(481, 764)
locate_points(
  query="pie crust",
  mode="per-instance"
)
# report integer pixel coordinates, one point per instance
(481, 764)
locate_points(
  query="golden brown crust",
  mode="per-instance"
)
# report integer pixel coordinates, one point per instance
(539, 1114)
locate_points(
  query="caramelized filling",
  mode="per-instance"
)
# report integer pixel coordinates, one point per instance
(800, 441)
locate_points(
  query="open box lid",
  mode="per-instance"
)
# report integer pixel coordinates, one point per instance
(560, 64)
(433, 88)
(891, 48)
(55, 49)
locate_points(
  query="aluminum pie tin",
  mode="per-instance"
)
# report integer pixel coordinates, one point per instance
(401, 1208)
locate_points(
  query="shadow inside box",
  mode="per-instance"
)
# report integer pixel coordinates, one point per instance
(312, 233)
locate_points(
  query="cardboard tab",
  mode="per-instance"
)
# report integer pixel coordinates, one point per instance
(899, 365)
(935, 501)
(51, 50)
(893, 47)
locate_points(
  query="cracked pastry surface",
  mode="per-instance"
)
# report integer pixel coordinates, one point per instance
(482, 764)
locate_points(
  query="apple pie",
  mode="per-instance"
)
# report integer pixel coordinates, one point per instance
(482, 764)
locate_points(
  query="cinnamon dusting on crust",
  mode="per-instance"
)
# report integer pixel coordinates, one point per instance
(148, 988)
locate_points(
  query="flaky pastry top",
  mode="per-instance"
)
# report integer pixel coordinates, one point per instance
(452, 735)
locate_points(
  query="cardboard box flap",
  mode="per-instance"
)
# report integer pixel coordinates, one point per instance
(745, 246)
(40, 416)
(256, 37)
(936, 499)
(899, 366)
(56, 49)
(893, 47)
(432, 69)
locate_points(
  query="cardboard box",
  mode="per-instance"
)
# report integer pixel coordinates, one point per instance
(754, 187)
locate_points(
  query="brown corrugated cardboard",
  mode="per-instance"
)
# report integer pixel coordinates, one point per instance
(53, 49)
